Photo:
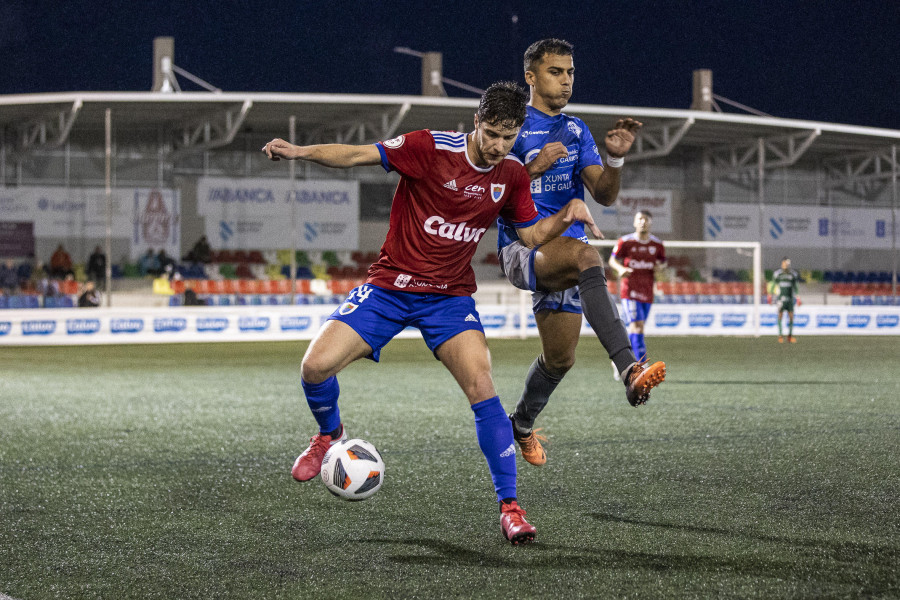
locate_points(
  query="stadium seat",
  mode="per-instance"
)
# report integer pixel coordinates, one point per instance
(227, 271)
(243, 271)
(67, 301)
(174, 300)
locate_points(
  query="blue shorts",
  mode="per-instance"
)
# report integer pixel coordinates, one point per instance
(517, 264)
(632, 310)
(378, 315)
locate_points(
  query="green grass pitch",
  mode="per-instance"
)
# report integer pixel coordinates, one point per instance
(163, 471)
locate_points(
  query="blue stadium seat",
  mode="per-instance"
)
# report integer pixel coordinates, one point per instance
(4, 301)
(175, 300)
(66, 302)
(51, 302)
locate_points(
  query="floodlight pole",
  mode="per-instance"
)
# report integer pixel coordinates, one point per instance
(894, 217)
(108, 126)
(292, 195)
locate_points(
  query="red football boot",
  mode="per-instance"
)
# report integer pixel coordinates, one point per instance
(513, 524)
(309, 463)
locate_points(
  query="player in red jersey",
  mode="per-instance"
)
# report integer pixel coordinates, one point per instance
(452, 187)
(636, 258)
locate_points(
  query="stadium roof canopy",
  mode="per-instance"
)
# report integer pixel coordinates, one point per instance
(189, 122)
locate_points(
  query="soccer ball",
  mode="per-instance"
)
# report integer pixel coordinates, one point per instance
(352, 469)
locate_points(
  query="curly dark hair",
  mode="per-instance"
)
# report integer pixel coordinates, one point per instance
(535, 53)
(503, 104)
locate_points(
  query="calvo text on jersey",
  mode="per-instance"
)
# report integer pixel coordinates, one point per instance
(453, 231)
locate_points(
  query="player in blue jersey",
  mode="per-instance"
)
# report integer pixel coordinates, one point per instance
(566, 275)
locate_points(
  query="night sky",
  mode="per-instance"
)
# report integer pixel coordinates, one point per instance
(822, 61)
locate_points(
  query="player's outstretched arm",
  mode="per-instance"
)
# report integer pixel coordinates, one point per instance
(553, 226)
(603, 183)
(339, 156)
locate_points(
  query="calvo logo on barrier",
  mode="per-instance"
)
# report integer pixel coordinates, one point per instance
(858, 320)
(212, 324)
(126, 325)
(169, 324)
(253, 323)
(82, 326)
(41, 327)
(700, 319)
(887, 320)
(667, 319)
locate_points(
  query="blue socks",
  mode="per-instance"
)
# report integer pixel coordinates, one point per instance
(495, 437)
(638, 346)
(322, 399)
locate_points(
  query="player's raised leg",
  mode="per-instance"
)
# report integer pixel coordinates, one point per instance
(467, 358)
(559, 331)
(335, 347)
(559, 264)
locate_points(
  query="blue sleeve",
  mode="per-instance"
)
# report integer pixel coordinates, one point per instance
(588, 153)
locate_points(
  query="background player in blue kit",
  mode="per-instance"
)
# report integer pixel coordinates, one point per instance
(566, 274)
(423, 276)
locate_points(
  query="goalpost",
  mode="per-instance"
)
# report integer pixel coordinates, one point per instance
(744, 250)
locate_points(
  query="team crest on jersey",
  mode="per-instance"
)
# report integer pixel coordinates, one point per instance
(394, 142)
(402, 280)
(347, 308)
(652, 249)
(574, 128)
(497, 190)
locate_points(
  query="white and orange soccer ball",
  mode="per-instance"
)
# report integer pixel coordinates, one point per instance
(352, 469)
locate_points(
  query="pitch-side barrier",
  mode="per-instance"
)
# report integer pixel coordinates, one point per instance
(277, 323)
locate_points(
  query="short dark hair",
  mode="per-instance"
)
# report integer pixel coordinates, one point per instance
(503, 104)
(535, 53)
(644, 212)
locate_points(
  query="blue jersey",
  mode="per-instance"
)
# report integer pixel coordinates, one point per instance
(562, 181)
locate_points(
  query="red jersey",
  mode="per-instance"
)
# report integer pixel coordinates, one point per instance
(643, 258)
(442, 207)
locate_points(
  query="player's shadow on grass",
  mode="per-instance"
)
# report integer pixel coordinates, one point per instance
(554, 557)
(845, 552)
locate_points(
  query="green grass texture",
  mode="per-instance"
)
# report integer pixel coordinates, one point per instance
(757, 470)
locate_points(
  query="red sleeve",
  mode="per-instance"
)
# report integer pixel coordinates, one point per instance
(661, 256)
(519, 208)
(409, 154)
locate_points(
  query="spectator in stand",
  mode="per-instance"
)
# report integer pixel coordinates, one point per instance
(96, 267)
(166, 263)
(149, 263)
(40, 279)
(60, 263)
(9, 278)
(190, 296)
(23, 272)
(90, 297)
(201, 252)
